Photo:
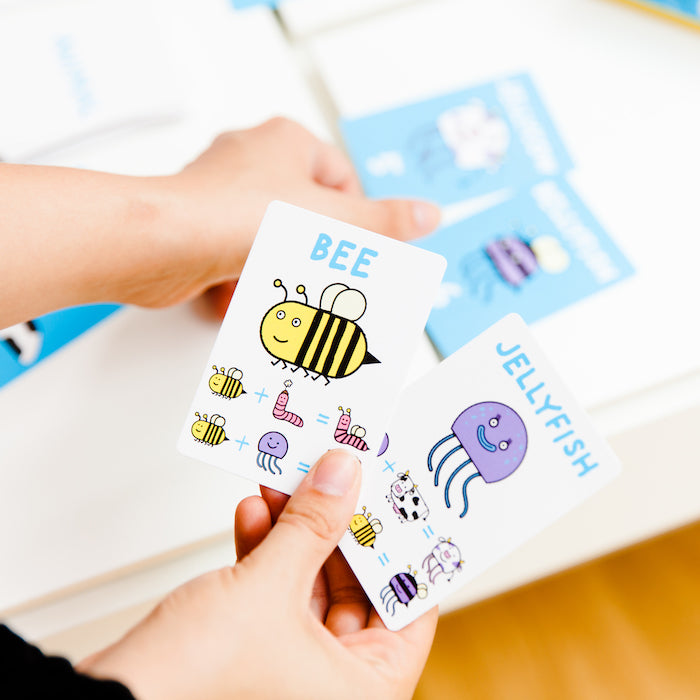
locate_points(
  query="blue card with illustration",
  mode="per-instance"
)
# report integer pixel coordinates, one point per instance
(24, 345)
(534, 254)
(688, 7)
(458, 146)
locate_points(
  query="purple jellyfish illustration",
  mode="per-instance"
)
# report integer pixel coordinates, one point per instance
(444, 559)
(402, 588)
(490, 436)
(272, 446)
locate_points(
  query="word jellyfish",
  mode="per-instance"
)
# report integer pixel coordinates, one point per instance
(491, 441)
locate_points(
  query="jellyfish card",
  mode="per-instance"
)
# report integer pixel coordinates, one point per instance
(533, 254)
(313, 350)
(458, 146)
(483, 452)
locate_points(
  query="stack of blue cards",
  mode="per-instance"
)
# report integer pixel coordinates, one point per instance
(534, 253)
(26, 344)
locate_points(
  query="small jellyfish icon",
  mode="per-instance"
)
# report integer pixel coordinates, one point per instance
(402, 588)
(490, 436)
(444, 560)
(271, 448)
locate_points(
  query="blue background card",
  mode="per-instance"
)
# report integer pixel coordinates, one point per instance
(457, 146)
(688, 7)
(26, 344)
(533, 255)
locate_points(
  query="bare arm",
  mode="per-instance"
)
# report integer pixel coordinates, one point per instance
(73, 236)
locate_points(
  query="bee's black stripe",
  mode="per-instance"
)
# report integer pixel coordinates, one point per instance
(209, 432)
(227, 386)
(365, 535)
(349, 351)
(334, 346)
(321, 342)
(309, 337)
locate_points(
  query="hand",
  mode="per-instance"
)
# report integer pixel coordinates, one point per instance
(288, 621)
(222, 196)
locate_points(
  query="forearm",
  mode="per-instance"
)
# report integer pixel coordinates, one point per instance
(73, 236)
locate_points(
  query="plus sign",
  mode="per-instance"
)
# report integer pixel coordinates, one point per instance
(389, 465)
(261, 394)
(241, 443)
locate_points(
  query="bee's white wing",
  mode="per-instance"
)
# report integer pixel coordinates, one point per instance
(350, 304)
(330, 293)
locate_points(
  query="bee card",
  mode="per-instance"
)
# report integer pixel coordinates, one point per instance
(313, 350)
(484, 452)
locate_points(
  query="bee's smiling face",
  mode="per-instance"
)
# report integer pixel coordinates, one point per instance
(199, 429)
(284, 328)
(217, 381)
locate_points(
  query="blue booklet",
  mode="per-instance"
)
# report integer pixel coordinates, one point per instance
(26, 344)
(458, 146)
(688, 7)
(534, 254)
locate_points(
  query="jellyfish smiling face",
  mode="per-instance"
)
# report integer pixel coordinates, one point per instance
(488, 439)
(494, 436)
(272, 446)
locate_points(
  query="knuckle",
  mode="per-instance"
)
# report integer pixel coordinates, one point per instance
(308, 521)
(348, 594)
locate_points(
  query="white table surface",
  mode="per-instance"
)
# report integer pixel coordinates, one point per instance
(103, 513)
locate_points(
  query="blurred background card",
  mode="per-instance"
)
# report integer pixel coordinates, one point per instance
(80, 69)
(24, 345)
(460, 145)
(533, 254)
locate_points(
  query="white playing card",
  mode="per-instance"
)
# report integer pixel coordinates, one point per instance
(313, 350)
(484, 452)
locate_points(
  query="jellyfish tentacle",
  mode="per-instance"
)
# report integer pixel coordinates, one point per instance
(449, 481)
(392, 602)
(275, 463)
(435, 446)
(443, 460)
(258, 460)
(464, 494)
(384, 592)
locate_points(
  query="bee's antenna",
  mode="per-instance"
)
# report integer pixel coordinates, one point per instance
(302, 290)
(278, 283)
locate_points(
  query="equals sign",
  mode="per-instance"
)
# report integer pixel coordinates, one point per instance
(303, 467)
(428, 531)
(322, 418)
(383, 559)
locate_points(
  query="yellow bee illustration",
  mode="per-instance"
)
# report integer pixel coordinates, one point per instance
(363, 529)
(226, 384)
(209, 430)
(324, 340)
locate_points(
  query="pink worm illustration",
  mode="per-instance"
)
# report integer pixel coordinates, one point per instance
(280, 413)
(344, 437)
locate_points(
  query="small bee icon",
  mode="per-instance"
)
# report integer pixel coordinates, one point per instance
(226, 384)
(209, 430)
(325, 340)
(363, 529)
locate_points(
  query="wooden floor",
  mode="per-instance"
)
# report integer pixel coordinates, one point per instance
(626, 626)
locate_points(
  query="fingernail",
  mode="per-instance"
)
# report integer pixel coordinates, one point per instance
(336, 473)
(426, 216)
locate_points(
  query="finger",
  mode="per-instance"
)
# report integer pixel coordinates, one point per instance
(332, 168)
(349, 606)
(252, 524)
(319, 597)
(276, 501)
(403, 219)
(312, 522)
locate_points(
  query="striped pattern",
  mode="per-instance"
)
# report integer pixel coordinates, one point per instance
(215, 435)
(231, 388)
(333, 346)
(365, 536)
(404, 586)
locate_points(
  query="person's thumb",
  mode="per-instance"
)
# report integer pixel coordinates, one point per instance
(313, 521)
